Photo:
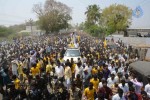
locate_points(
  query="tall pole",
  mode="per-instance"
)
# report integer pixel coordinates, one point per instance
(31, 23)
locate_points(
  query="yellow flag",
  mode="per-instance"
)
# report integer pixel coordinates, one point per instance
(105, 43)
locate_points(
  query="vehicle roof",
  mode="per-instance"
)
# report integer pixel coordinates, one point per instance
(72, 48)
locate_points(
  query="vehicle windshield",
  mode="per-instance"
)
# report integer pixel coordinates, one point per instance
(72, 53)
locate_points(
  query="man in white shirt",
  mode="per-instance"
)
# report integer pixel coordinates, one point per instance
(119, 95)
(14, 67)
(59, 71)
(147, 88)
(112, 68)
(76, 45)
(78, 70)
(111, 81)
(124, 86)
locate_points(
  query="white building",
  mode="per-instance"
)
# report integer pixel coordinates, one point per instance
(32, 30)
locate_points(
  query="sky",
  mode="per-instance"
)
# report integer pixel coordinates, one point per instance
(18, 11)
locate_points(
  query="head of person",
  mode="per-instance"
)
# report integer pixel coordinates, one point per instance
(119, 74)
(79, 64)
(144, 95)
(112, 76)
(148, 79)
(139, 79)
(104, 83)
(34, 65)
(90, 85)
(123, 82)
(120, 92)
(126, 76)
(72, 60)
(78, 76)
(130, 84)
(132, 89)
(95, 77)
(14, 77)
(58, 63)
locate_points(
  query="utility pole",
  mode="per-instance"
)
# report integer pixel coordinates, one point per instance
(31, 23)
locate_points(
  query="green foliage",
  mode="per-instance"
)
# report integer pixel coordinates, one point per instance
(92, 19)
(94, 30)
(111, 19)
(17, 28)
(4, 31)
(93, 14)
(116, 18)
(53, 16)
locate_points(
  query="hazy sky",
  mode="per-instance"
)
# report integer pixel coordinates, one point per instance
(17, 11)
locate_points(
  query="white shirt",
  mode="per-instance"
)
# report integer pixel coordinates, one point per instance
(78, 70)
(120, 69)
(125, 88)
(89, 69)
(112, 69)
(14, 65)
(100, 85)
(59, 71)
(116, 97)
(110, 82)
(76, 45)
(147, 89)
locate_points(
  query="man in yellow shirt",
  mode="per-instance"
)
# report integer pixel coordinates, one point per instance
(89, 92)
(95, 82)
(48, 68)
(34, 70)
(68, 75)
(16, 82)
(95, 69)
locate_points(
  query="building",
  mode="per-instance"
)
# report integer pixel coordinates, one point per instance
(33, 30)
(134, 31)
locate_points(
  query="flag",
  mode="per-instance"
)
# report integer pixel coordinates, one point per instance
(105, 43)
(137, 12)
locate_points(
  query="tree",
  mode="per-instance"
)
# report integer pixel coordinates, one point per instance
(93, 14)
(5, 31)
(53, 16)
(116, 18)
(92, 18)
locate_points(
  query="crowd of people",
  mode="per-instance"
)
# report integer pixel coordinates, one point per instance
(33, 68)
